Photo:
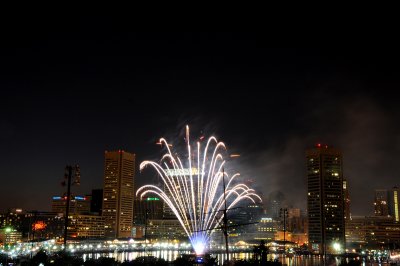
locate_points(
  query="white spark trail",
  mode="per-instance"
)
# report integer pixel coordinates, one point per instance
(194, 190)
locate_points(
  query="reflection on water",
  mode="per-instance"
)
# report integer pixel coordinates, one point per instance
(286, 260)
(168, 255)
(171, 255)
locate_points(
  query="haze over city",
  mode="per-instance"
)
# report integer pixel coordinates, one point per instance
(68, 96)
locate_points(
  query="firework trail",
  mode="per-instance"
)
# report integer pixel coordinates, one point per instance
(193, 190)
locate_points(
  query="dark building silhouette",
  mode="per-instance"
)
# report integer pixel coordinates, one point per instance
(42, 225)
(96, 201)
(325, 199)
(296, 221)
(276, 201)
(393, 203)
(77, 204)
(386, 203)
(381, 202)
(346, 194)
(153, 206)
(243, 219)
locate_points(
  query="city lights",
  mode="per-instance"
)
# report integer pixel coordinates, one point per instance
(337, 247)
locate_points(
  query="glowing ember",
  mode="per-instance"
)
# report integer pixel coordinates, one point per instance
(39, 225)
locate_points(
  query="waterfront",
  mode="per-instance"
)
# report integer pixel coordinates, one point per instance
(130, 250)
(171, 255)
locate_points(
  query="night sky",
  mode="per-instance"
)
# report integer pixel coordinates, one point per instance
(69, 94)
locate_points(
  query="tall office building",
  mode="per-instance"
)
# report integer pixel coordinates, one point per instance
(346, 194)
(393, 200)
(77, 204)
(276, 201)
(167, 211)
(381, 202)
(296, 222)
(118, 193)
(325, 200)
(152, 205)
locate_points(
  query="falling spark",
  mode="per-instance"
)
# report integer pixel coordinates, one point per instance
(160, 143)
(193, 191)
(234, 155)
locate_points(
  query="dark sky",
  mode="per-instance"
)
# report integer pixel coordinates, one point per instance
(68, 94)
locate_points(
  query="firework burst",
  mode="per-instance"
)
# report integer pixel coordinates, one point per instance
(193, 190)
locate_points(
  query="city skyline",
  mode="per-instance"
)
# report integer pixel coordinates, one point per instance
(69, 96)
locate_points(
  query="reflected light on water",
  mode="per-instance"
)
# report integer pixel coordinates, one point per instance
(171, 255)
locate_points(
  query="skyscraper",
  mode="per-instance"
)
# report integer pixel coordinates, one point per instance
(77, 204)
(381, 202)
(152, 205)
(346, 194)
(276, 201)
(118, 193)
(325, 200)
(393, 200)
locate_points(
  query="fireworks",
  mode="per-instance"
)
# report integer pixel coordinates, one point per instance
(193, 190)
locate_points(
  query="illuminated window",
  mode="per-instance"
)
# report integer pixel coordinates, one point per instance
(396, 207)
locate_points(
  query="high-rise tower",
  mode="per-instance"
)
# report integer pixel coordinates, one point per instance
(381, 202)
(346, 195)
(325, 200)
(393, 198)
(118, 193)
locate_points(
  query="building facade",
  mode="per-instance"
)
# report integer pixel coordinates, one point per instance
(118, 193)
(266, 229)
(381, 202)
(86, 226)
(386, 203)
(325, 199)
(374, 232)
(276, 201)
(152, 205)
(78, 204)
(9, 236)
(41, 225)
(393, 203)
(158, 230)
(347, 213)
(13, 218)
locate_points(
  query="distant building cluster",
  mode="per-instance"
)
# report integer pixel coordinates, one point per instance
(113, 212)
